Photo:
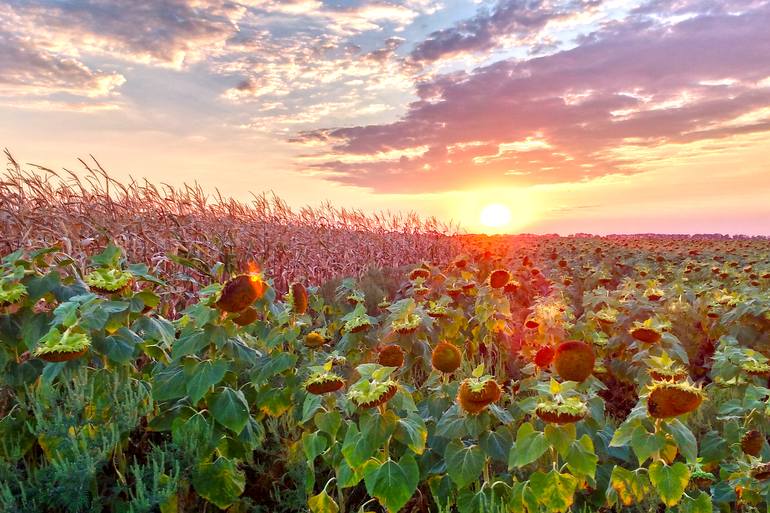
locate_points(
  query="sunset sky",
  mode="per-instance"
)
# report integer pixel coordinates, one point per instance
(601, 116)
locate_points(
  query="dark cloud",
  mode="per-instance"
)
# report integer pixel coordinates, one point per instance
(558, 118)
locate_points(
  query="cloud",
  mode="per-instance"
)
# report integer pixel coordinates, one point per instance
(29, 72)
(509, 19)
(166, 32)
(639, 82)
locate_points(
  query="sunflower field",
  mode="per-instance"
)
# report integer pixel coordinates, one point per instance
(518, 374)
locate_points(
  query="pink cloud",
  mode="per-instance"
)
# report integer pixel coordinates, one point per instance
(632, 82)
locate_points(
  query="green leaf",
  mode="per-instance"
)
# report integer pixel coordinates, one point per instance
(220, 483)
(555, 491)
(631, 487)
(121, 347)
(530, 445)
(229, 408)
(313, 444)
(271, 365)
(328, 422)
(669, 481)
(625, 432)
(713, 448)
(310, 406)
(346, 476)
(497, 444)
(169, 383)
(581, 459)
(412, 432)
(377, 427)
(451, 424)
(322, 503)
(189, 343)
(464, 464)
(645, 444)
(356, 448)
(205, 375)
(471, 501)
(391, 483)
(109, 257)
(684, 439)
(560, 437)
(699, 504)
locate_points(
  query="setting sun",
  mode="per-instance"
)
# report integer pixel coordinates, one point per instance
(495, 216)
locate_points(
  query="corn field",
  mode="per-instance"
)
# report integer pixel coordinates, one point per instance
(162, 226)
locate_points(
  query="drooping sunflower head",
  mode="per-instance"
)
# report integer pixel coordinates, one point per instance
(246, 317)
(756, 368)
(11, 292)
(565, 411)
(476, 394)
(544, 356)
(752, 442)
(419, 272)
(108, 279)
(58, 346)
(649, 331)
(664, 368)
(239, 292)
(670, 399)
(761, 472)
(404, 316)
(323, 382)
(391, 356)
(374, 388)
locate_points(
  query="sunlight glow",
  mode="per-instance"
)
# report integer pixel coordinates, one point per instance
(495, 216)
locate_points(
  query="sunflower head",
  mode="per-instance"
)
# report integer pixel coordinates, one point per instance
(446, 357)
(564, 411)
(391, 356)
(670, 399)
(751, 442)
(246, 317)
(499, 278)
(11, 292)
(664, 368)
(323, 382)
(239, 292)
(761, 472)
(298, 298)
(756, 368)
(650, 331)
(574, 360)
(375, 387)
(108, 279)
(477, 393)
(544, 356)
(58, 346)
(314, 340)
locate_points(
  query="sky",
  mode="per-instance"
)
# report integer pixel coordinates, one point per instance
(600, 116)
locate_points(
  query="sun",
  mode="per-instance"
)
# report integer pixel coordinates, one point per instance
(495, 216)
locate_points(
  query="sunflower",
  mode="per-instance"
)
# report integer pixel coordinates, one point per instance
(446, 357)
(566, 411)
(669, 399)
(476, 394)
(574, 360)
